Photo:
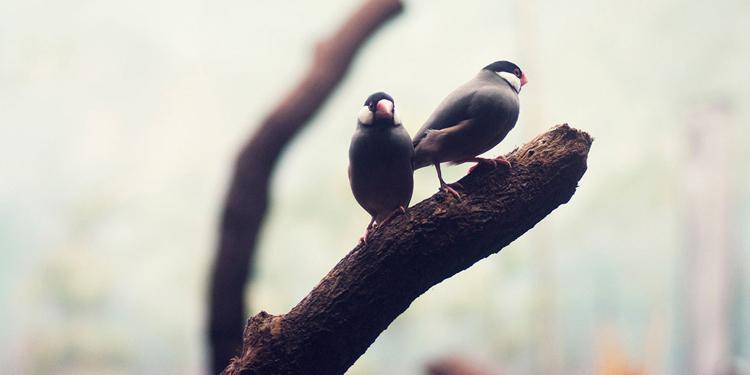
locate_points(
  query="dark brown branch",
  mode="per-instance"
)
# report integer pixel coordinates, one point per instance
(246, 202)
(437, 238)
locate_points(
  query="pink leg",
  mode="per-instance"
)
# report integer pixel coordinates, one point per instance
(399, 210)
(447, 187)
(363, 239)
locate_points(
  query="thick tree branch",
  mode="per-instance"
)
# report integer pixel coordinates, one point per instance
(246, 202)
(437, 238)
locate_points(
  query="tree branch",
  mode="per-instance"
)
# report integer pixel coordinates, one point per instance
(437, 238)
(247, 200)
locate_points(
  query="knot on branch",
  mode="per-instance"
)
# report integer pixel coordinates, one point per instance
(263, 324)
(260, 330)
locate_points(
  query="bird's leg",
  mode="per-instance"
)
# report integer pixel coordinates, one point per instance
(447, 187)
(500, 160)
(393, 214)
(367, 231)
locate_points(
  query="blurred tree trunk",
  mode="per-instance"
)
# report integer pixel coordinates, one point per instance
(459, 365)
(247, 200)
(709, 271)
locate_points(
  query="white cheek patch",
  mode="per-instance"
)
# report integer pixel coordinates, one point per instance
(512, 79)
(365, 116)
(396, 118)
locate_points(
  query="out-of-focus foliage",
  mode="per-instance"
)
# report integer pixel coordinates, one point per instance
(119, 122)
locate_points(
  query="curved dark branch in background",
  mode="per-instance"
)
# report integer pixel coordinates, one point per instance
(457, 365)
(246, 202)
(437, 238)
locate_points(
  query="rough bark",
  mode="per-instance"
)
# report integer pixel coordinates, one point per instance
(437, 238)
(247, 200)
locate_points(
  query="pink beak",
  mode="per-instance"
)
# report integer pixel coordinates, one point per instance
(384, 109)
(523, 79)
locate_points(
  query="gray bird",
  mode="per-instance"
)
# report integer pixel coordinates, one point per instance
(380, 154)
(472, 119)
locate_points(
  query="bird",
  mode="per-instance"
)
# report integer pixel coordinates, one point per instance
(471, 120)
(380, 162)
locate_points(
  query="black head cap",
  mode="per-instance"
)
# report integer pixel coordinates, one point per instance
(373, 100)
(504, 66)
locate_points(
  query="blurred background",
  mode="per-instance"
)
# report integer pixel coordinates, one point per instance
(120, 121)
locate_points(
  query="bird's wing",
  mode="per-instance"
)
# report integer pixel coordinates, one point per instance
(454, 109)
(471, 120)
(448, 143)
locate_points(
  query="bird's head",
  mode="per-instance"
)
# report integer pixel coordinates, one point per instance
(379, 109)
(510, 72)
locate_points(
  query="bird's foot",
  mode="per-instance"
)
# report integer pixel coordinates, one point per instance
(399, 210)
(501, 160)
(370, 228)
(494, 163)
(365, 236)
(482, 161)
(449, 189)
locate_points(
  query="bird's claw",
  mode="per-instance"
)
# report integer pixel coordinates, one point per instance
(363, 239)
(370, 228)
(399, 210)
(449, 189)
(374, 226)
(480, 161)
(501, 160)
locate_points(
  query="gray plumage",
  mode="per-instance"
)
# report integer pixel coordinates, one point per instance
(471, 120)
(380, 170)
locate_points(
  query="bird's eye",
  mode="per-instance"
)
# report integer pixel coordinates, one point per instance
(517, 72)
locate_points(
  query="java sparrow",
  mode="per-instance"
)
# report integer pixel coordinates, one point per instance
(380, 169)
(471, 120)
